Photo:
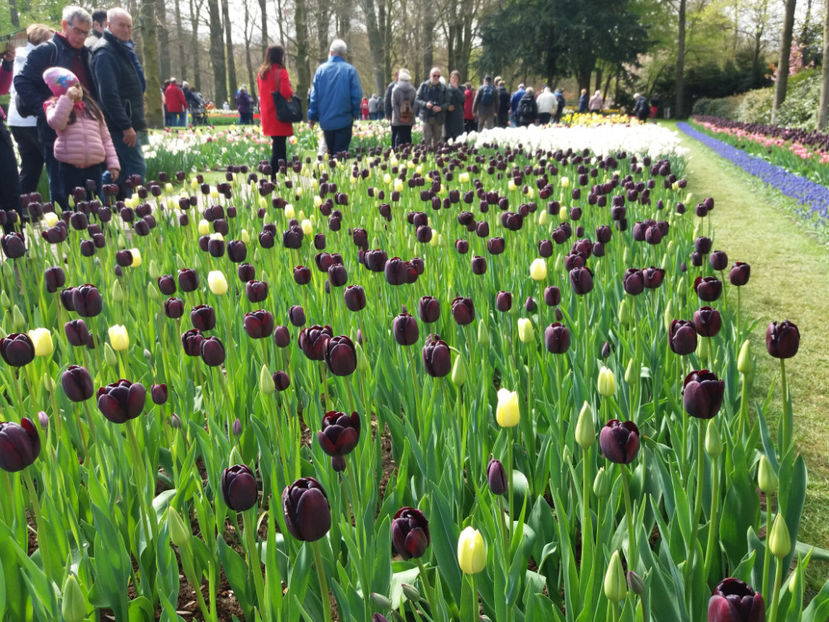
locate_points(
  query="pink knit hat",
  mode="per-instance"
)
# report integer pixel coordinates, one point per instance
(59, 80)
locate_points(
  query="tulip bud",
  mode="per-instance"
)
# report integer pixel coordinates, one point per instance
(526, 332)
(483, 333)
(266, 381)
(713, 441)
(585, 427)
(118, 294)
(362, 360)
(538, 269)
(118, 337)
(109, 356)
(606, 382)
(179, 533)
(744, 360)
(382, 602)
(42, 340)
(471, 551)
(601, 483)
(411, 592)
(780, 542)
(635, 583)
(18, 321)
(74, 606)
(766, 477)
(507, 413)
(615, 583)
(217, 283)
(625, 312)
(632, 372)
(496, 477)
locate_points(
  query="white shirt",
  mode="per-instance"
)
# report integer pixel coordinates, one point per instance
(546, 102)
(20, 55)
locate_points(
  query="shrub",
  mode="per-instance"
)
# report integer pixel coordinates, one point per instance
(756, 106)
(723, 107)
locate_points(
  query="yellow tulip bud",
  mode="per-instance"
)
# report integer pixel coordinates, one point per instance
(511, 185)
(266, 381)
(585, 427)
(74, 606)
(437, 238)
(217, 282)
(543, 217)
(632, 372)
(290, 212)
(42, 340)
(615, 583)
(563, 213)
(118, 294)
(507, 413)
(179, 533)
(538, 269)
(780, 542)
(625, 312)
(483, 333)
(458, 372)
(204, 227)
(471, 551)
(119, 338)
(526, 332)
(607, 382)
(307, 227)
(245, 236)
(136, 258)
(398, 184)
(50, 219)
(565, 182)
(387, 179)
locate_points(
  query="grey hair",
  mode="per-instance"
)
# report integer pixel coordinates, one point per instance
(338, 48)
(117, 12)
(72, 12)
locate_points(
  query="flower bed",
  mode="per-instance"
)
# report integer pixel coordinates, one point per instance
(418, 384)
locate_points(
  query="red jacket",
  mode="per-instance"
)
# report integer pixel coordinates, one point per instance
(271, 126)
(468, 100)
(174, 99)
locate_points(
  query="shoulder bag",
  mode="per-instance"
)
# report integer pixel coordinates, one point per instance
(287, 110)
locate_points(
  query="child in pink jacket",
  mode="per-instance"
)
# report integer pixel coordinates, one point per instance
(83, 147)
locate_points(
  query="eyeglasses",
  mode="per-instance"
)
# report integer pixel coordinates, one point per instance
(79, 31)
(436, 75)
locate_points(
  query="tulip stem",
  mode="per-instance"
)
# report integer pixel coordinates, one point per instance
(586, 522)
(767, 555)
(692, 545)
(510, 493)
(141, 484)
(324, 601)
(254, 560)
(710, 548)
(775, 595)
(629, 514)
(474, 611)
(787, 439)
(430, 595)
(30, 487)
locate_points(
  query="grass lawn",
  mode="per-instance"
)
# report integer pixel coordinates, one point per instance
(789, 281)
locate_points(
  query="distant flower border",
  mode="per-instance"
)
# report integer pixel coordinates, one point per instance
(812, 196)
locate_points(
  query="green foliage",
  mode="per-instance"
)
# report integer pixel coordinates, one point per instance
(725, 107)
(802, 103)
(756, 106)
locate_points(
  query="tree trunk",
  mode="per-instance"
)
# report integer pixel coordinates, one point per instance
(375, 43)
(783, 64)
(263, 11)
(163, 39)
(153, 95)
(231, 62)
(303, 74)
(598, 79)
(196, 50)
(323, 14)
(429, 23)
(280, 20)
(217, 54)
(823, 111)
(248, 61)
(345, 9)
(179, 69)
(606, 88)
(15, 18)
(680, 63)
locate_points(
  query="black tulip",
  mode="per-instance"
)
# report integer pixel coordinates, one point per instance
(707, 321)
(212, 351)
(306, 509)
(19, 444)
(410, 533)
(239, 488)
(782, 340)
(340, 355)
(496, 477)
(702, 394)
(405, 329)
(256, 291)
(682, 337)
(203, 317)
(174, 308)
(259, 324)
(355, 298)
(436, 357)
(557, 338)
(121, 401)
(77, 383)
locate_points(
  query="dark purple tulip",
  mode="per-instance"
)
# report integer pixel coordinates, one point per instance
(359, 237)
(191, 342)
(399, 272)
(708, 288)
(782, 340)
(259, 324)
(337, 275)
(215, 247)
(355, 298)
(482, 229)
(619, 441)
(123, 258)
(312, 341)
(167, 284)
(702, 245)
(296, 315)
(237, 251)
(633, 281)
(530, 305)
(53, 278)
(302, 275)
(17, 349)
(340, 356)
(281, 380)
(405, 329)
(423, 234)
(718, 260)
(158, 393)
(682, 337)
(87, 248)
(503, 301)
(174, 308)
(77, 383)
(19, 445)
(338, 436)
(306, 510)
(428, 309)
(557, 338)
(707, 321)
(203, 317)
(121, 401)
(495, 246)
(653, 277)
(239, 488)
(462, 246)
(702, 394)
(653, 235)
(740, 272)
(478, 265)
(410, 533)
(375, 260)
(86, 300)
(323, 261)
(603, 234)
(256, 291)
(188, 280)
(545, 248)
(266, 239)
(496, 477)
(13, 245)
(212, 351)
(77, 334)
(281, 337)
(552, 295)
(581, 280)
(734, 601)
(436, 357)
(463, 310)
(246, 272)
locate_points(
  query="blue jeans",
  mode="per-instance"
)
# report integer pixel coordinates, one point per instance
(131, 160)
(337, 141)
(176, 119)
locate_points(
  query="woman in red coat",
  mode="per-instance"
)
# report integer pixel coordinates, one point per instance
(273, 76)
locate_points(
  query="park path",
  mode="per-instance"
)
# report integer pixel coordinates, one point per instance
(789, 281)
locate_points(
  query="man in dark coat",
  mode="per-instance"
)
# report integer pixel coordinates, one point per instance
(121, 84)
(503, 102)
(66, 49)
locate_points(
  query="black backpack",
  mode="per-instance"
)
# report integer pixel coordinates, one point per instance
(525, 110)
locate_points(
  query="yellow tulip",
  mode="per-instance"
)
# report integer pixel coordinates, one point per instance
(204, 227)
(136, 257)
(607, 382)
(119, 338)
(307, 227)
(471, 551)
(507, 414)
(42, 340)
(245, 236)
(526, 332)
(290, 212)
(50, 219)
(217, 282)
(538, 269)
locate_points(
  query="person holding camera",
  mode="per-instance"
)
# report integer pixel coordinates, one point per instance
(431, 101)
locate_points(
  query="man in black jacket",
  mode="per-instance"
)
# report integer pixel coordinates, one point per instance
(66, 49)
(121, 85)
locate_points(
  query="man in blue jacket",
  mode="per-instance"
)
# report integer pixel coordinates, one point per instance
(335, 98)
(513, 103)
(66, 49)
(121, 85)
